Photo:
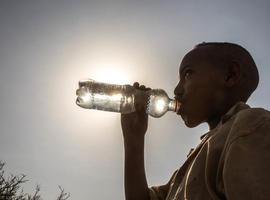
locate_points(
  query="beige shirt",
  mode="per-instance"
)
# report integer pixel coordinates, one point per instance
(231, 162)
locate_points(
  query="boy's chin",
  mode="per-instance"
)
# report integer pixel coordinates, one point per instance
(191, 125)
(189, 122)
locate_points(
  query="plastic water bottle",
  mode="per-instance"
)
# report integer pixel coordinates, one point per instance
(121, 98)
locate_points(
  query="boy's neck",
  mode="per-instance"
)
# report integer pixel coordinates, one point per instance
(213, 122)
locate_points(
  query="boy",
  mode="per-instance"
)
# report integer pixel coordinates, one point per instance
(233, 159)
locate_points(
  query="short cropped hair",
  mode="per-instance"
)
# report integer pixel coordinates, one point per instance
(230, 52)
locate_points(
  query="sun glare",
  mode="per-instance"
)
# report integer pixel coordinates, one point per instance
(160, 104)
(114, 75)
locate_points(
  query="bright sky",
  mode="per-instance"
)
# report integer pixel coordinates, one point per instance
(48, 46)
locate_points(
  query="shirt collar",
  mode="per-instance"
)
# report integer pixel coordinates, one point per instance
(233, 110)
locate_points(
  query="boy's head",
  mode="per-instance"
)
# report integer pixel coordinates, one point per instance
(213, 77)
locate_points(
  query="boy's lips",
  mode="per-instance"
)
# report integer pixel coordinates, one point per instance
(181, 104)
(180, 111)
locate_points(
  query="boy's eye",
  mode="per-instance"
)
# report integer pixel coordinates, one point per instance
(187, 74)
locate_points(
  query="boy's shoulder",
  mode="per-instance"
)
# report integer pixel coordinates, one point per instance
(250, 121)
(250, 117)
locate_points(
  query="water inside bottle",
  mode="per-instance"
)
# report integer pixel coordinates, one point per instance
(100, 96)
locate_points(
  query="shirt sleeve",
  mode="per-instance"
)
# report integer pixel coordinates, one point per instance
(161, 192)
(246, 172)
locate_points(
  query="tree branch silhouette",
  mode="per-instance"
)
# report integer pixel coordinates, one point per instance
(11, 188)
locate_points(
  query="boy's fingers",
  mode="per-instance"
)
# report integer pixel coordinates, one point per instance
(136, 84)
(141, 102)
(142, 87)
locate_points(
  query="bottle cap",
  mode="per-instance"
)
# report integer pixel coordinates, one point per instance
(174, 105)
(177, 105)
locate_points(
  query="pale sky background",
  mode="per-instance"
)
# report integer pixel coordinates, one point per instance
(48, 46)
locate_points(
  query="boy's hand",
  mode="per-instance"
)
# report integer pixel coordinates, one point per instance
(135, 124)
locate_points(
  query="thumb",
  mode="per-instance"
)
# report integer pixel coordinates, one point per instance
(141, 100)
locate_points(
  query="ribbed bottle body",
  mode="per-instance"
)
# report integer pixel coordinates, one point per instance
(106, 97)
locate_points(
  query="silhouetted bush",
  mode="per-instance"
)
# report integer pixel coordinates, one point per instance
(11, 188)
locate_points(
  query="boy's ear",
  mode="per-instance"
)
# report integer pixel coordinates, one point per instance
(233, 73)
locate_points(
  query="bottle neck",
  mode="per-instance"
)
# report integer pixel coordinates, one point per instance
(174, 105)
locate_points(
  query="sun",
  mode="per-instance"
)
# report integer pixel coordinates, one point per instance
(111, 74)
